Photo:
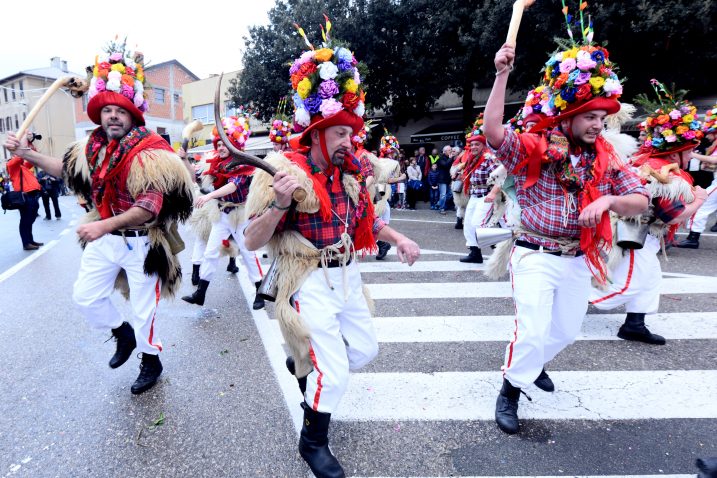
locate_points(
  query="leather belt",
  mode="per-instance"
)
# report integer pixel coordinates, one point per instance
(136, 233)
(333, 264)
(536, 247)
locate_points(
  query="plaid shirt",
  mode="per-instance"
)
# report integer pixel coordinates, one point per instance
(479, 178)
(150, 200)
(321, 233)
(365, 162)
(242, 182)
(546, 207)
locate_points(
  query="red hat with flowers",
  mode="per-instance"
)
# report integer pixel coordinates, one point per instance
(579, 77)
(672, 124)
(327, 87)
(117, 78)
(389, 143)
(281, 126)
(476, 131)
(237, 129)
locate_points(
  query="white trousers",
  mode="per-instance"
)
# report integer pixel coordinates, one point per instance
(699, 220)
(198, 251)
(343, 337)
(386, 214)
(477, 214)
(221, 231)
(101, 262)
(635, 282)
(551, 298)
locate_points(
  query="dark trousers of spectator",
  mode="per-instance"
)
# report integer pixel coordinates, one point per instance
(28, 214)
(435, 196)
(46, 196)
(412, 197)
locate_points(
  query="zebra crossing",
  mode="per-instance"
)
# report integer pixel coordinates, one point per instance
(425, 406)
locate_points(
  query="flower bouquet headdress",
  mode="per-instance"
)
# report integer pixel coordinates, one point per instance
(237, 129)
(476, 131)
(579, 76)
(281, 126)
(672, 124)
(327, 87)
(710, 123)
(117, 78)
(388, 143)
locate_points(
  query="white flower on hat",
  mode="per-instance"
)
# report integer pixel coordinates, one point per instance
(138, 99)
(328, 71)
(302, 117)
(360, 109)
(113, 84)
(138, 87)
(114, 75)
(612, 86)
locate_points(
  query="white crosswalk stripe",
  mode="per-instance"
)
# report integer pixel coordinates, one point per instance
(466, 398)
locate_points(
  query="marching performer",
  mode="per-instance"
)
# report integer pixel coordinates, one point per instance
(673, 131)
(389, 150)
(137, 187)
(567, 179)
(280, 132)
(329, 330)
(226, 209)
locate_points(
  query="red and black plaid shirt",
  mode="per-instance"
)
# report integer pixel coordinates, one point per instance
(546, 207)
(479, 178)
(150, 200)
(321, 233)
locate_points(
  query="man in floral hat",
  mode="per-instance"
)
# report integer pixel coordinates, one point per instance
(225, 205)
(280, 134)
(673, 131)
(137, 187)
(698, 222)
(567, 178)
(320, 304)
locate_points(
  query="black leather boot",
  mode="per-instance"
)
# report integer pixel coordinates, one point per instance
(544, 382)
(124, 335)
(691, 242)
(506, 408)
(634, 329)
(314, 445)
(149, 371)
(383, 248)
(459, 223)
(474, 256)
(292, 369)
(232, 266)
(198, 296)
(258, 301)
(195, 274)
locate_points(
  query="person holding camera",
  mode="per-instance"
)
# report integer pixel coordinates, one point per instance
(23, 180)
(51, 187)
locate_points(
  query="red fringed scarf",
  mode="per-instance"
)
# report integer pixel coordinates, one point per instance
(552, 146)
(473, 163)
(364, 240)
(118, 159)
(222, 170)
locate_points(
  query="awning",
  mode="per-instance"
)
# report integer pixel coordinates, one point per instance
(442, 132)
(258, 146)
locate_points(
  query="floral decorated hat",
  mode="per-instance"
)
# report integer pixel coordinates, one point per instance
(281, 126)
(710, 123)
(117, 78)
(579, 77)
(388, 143)
(363, 134)
(476, 132)
(673, 124)
(237, 129)
(536, 106)
(327, 87)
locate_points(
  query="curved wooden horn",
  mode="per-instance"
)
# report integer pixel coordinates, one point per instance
(242, 157)
(190, 130)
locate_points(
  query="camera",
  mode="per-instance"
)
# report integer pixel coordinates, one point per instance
(35, 136)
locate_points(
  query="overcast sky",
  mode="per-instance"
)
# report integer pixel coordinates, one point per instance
(205, 37)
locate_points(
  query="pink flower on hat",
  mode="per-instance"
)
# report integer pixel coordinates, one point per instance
(330, 107)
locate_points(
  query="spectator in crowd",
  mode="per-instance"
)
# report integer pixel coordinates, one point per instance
(24, 180)
(50, 191)
(433, 176)
(414, 183)
(424, 165)
(434, 156)
(444, 180)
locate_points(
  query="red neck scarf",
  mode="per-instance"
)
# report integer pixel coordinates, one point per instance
(223, 169)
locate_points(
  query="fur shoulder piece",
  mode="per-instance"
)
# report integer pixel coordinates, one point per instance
(383, 168)
(76, 170)
(498, 176)
(163, 171)
(625, 145)
(261, 193)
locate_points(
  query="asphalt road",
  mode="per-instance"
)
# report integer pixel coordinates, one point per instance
(226, 407)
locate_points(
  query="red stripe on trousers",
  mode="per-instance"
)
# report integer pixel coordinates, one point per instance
(157, 291)
(258, 265)
(317, 395)
(627, 282)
